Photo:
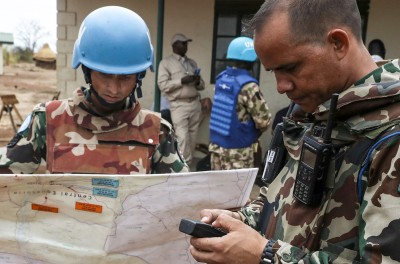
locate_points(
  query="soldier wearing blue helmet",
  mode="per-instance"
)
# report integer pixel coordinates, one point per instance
(101, 129)
(239, 113)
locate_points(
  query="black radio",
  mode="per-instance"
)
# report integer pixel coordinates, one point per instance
(314, 163)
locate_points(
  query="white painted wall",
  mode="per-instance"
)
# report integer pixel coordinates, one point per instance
(383, 23)
(188, 17)
(196, 21)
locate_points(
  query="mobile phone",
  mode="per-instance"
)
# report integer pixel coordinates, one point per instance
(197, 71)
(199, 229)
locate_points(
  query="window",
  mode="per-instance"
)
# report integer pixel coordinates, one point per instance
(228, 24)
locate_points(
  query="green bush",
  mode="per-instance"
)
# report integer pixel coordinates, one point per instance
(22, 54)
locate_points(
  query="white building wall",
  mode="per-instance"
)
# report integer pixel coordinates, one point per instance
(383, 24)
(196, 21)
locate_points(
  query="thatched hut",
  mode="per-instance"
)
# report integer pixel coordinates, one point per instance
(45, 58)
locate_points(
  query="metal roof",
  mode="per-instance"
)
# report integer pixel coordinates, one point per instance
(6, 38)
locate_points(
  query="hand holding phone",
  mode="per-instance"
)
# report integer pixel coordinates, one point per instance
(197, 71)
(199, 229)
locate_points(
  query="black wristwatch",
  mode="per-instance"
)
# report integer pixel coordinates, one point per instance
(268, 254)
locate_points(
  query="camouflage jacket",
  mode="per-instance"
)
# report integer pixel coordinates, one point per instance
(342, 228)
(251, 105)
(28, 150)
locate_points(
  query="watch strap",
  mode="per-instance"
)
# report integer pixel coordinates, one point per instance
(268, 254)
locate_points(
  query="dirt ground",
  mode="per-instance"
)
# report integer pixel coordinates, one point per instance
(30, 85)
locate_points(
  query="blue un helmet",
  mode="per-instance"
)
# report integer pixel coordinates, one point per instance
(113, 40)
(241, 48)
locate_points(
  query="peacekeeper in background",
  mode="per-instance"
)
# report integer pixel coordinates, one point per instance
(239, 113)
(315, 49)
(101, 129)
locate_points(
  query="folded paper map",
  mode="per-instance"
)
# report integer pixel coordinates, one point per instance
(95, 219)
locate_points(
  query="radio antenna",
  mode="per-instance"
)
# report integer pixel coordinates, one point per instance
(331, 118)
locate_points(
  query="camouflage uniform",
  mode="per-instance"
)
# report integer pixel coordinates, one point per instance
(66, 137)
(341, 229)
(251, 105)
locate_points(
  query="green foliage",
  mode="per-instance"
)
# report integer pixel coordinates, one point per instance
(5, 55)
(8, 58)
(22, 54)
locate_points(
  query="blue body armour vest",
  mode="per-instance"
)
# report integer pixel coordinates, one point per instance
(225, 128)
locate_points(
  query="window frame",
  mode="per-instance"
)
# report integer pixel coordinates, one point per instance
(242, 10)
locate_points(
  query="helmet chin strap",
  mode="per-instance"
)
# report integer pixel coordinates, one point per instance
(132, 98)
(138, 89)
